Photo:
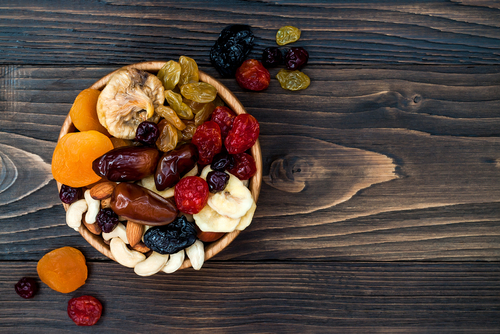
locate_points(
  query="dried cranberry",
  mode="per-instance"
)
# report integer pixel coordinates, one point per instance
(191, 194)
(253, 75)
(107, 220)
(296, 58)
(224, 117)
(243, 135)
(222, 161)
(84, 310)
(207, 139)
(217, 181)
(69, 194)
(244, 167)
(26, 287)
(147, 133)
(272, 57)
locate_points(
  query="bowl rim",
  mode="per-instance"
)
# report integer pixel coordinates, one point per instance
(232, 102)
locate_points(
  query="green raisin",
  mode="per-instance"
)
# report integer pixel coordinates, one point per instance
(174, 100)
(189, 71)
(170, 74)
(293, 80)
(201, 92)
(287, 34)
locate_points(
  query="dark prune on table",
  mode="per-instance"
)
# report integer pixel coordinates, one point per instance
(222, 161)
(272, 57)
(296, 58)
(107, 220)
(69, 194)
(26, 287)
(231, 48)
(217, 181)
(147, 133)
(171, 238)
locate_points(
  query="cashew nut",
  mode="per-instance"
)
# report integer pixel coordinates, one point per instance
(75, 212)
(153, 264)
(196, 253)
(123, 255)
(120, 231)
(93, 208)
(175, 262)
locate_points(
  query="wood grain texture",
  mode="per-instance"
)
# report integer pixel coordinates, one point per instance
(270, 297)
(340, 32)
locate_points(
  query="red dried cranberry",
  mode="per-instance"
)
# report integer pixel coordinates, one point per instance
(107, 220)
(222, 161)
(217, 181)
(296, 58)
(243, 135)
(191, 194)
(147, 133)
(207, 139)
(224, 117)
(253, 75)
(26, 287)
(244, 167)
(84, 310)
(69, 194)
(272, 57)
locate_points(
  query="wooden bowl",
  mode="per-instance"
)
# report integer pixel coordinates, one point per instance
(232, 102)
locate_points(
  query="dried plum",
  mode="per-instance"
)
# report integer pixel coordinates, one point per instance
(171, 238)
(231, 48)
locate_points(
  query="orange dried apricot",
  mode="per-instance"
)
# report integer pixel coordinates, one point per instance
(63, 269)
(118, 142)
(73, 157)
(83, 113)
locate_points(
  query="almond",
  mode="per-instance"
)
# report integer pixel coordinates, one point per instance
(134, 232)
(102, 190)
(106, 203)
(93, 228)
(141, 247)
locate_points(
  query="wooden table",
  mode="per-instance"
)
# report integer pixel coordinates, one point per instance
(379, 210)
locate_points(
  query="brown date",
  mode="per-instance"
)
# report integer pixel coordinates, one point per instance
(142, 205)
(174, 164)
(127, 163)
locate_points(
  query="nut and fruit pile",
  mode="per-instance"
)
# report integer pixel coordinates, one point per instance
(158, 167)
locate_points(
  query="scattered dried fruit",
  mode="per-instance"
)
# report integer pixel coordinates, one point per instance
(296, 58)
(231, 48)
(287, 34)
(272, 57)
(253, 75)
(84, 310)
(26, 287)
(293, 80)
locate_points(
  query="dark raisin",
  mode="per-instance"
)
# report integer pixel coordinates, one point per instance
(296, 58)
(222, 161)
(272, 57)
(217, 181)
(69, 194)
(107, 220)
(231, 48)
(147, 133)
(26, 287)
(171, 238)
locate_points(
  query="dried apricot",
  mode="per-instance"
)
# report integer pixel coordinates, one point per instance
(83, 113)
(73, 157)
(63, 269)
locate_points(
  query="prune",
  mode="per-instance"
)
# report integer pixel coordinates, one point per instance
(231, 48)
(174, 164)
(272, 57)
(244, 166)
(217, 181)
(296, 58)
(147, 133)
(84, 310)
(222, 161)
(171, 238)
(26, 287)
(208, 140)
(224, 117)
(253, 75)
(191, 194)
(107, 220)
(293, 80)
(127, 163)
(287, 34)
(69, 194)
(243, 135)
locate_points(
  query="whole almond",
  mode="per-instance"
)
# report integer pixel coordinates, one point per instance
(134, 232)
(141, 247)
(93, 228)
(102, 190)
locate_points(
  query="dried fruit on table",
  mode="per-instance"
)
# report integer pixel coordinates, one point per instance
(293, 80)
(169, 136)
(244, 166)
(83, 113)
(26, 287)
(170, 74)
(217, 181)
(189, 71)
(63, 269)
(147, 133)
(174, 100)
(224, 117)
(231, 48)
(253, 75)
(69, 194)
(272, 57)
(243, 134)
(73, 157)
(200, 92)
(129, 98)
(204, 114)
(171, 116)
(84, 310)
(296, 58)
(191, 194)
(208, 140)
(171, 238)
(287, 34)
(174, 164)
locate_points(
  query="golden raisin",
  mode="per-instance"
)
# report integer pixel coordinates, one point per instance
(189, 70)
(200, 92)
(170, 74)
(287, 34)
(174, 100)
(293, 80)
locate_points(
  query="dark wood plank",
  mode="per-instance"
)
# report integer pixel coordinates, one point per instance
(270, 297)
(340, 32)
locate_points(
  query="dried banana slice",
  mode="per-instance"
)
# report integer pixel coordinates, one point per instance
(208, 220)
(234, 201)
